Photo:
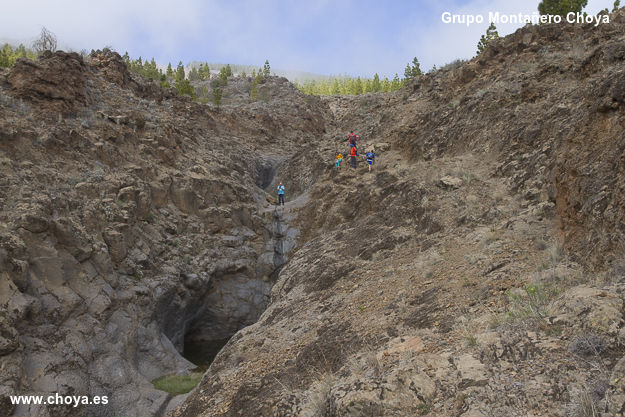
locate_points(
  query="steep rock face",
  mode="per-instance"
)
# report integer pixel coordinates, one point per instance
(57, 81)
(446, 281)
(112, 68)
(131, 220)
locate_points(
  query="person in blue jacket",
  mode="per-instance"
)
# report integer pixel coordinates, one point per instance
(370, 159)
(280, 194)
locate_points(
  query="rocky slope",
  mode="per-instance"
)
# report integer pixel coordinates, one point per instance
(476, 271)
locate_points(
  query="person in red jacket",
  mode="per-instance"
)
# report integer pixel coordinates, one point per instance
(352, 138)
(353, 153)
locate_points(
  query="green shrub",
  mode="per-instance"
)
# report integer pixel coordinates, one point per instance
(178, 384)
(532, 300)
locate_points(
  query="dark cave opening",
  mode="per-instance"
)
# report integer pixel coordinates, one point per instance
(201, 353)
(265, 174)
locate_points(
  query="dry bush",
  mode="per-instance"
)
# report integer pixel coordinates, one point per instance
(317, 400)
(45, 42)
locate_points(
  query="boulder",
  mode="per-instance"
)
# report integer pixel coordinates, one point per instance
(450, 183)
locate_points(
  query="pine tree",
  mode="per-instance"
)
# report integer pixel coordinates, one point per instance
(223, 75)
(203, 95)
(229, 72)
(617, 5)
(396, 83)
(5, 55)
(243, 74)
(184, 87)
(253, 91)
(358, 87)
(561, 7)
(169, 72)
(254, 73)
(413, 70)
(266, 69)
(386, 85)
(151, 70)
(217, 94)
(491, 33)
(193, 74)
(204, 72)
(180, 72)
(375, 84)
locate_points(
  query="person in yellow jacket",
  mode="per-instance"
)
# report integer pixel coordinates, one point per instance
(339, 158)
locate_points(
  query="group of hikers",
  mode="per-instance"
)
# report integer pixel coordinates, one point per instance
(353, 154)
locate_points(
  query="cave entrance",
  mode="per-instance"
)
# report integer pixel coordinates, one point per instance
(234, 302)
(201, 353)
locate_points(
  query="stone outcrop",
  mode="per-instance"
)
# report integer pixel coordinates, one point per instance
(56, 81)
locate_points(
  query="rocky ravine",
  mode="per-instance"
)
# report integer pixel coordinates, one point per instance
(132, 222)
(477, 271)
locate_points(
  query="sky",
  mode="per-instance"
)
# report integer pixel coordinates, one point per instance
(332, 37)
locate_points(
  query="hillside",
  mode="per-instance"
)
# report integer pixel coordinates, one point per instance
(475, 271)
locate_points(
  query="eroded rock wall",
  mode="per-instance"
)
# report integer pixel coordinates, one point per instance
(130, 219)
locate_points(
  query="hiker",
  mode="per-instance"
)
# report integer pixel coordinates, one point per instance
(352, 139)
(353, 153)
(370, 159)
(280, 194)
(339, 158)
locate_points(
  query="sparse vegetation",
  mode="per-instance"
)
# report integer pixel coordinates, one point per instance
(452, 65)
(45, 42)
(413, 69)
(588, 345)
(491, 33)
(469, 177)
(561, 7)
(531, 301)
(350, 86)
(424, 408)
(184, 87)
(319, 396)
(8, 54)
(178, 384)
(583, 405)
(366, 362)
(217, 95)
(148, 69)
(266, 69)
(254, 91)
